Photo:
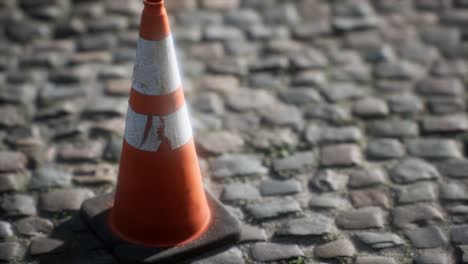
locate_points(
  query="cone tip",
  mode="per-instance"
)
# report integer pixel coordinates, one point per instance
(153, 2)
(154, 7)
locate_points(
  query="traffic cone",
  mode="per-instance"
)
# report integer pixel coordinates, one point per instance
(160, 211)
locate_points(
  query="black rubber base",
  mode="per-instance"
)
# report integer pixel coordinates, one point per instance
(224, 230)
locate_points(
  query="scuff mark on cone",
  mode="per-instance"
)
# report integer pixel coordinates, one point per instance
(175, 127)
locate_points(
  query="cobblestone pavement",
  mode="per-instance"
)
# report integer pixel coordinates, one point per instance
(334, 130)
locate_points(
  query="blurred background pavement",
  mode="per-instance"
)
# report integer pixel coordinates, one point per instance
(334, 130)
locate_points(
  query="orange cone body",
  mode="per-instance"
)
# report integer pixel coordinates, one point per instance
(160, 200)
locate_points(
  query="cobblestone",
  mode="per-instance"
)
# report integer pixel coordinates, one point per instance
(458, 234)
(328, 202)
(329, 181)
(366, 217)
(275, 187)
(393, 128)
(5, 230)
(446, 105)
(404, 70)
(464, 253)
(452, 123)
(336, 92)
(455, 168)
(453, 191)
(83, 152)
(334, 113)
(280, 137)
(271, 252)
(252, 233)
(13, 181)
(370, 107)
(230, 256)
(366, 177)
(47, 177)
(220, 142)
(418, 192)
(373, 197)
(300, 96)
(337, 248)
(296, 162)
(64, 199)
(237, 165)
(240, 191)
(34, 226)
(385, 149)
(442, 86)
(411, 170)
(375, 259)
(431, 258)
(45, 246)
(284, 116)
(427, 237)
(314, 225)
(409, 214)
(433, 148)
(273, 208)
(379, 240)
(18, 205)
(405, 103)
(316, 134)
(9, 251)
(12, 161)
(341, 155)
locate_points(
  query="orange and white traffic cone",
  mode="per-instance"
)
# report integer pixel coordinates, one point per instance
(160, 206)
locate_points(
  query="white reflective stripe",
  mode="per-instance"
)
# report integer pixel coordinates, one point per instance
(156, 71)
(135, 130)
(176, 128)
